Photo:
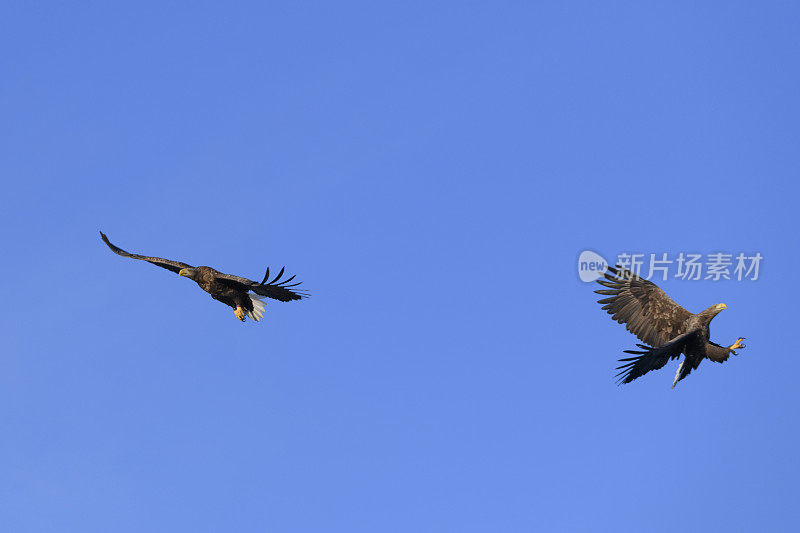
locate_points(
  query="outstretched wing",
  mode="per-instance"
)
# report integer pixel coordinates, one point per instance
(646, 310)
(275, 289)
(649, 358)
(174, 266)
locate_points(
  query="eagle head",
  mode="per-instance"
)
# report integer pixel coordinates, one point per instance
(713, 311)
(188, 272)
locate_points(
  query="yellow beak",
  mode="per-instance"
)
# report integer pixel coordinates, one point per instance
(183, 272)
(722, 306)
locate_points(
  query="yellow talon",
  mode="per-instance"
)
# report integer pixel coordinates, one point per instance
(239, 312)
(736, 345)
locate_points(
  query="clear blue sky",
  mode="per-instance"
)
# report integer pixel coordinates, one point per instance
(431, 172)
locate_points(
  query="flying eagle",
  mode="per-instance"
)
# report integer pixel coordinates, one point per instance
(231, 290)
(666, 329)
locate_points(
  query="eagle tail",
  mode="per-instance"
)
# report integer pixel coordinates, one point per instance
(685, 369)
(678, 376)
(258, 308)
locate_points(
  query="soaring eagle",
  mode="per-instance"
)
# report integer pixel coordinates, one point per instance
(231, 290)
(667, 329)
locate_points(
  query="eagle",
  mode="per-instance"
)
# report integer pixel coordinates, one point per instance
(666, 329)
(245, 296)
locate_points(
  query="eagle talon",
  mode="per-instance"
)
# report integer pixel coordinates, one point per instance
(736, 345)
(239, 312)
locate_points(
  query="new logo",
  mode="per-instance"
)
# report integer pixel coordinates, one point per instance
(591, 266)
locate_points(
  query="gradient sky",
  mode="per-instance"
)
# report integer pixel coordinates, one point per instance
(431, 171)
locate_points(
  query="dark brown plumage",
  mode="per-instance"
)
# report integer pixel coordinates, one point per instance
(666, 329)
(230, 290)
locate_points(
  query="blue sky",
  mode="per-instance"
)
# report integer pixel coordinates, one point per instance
(431, 172)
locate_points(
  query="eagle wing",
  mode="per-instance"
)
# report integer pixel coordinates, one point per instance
(275, 289)
(174, 266)
(646, 310)
(649, 358)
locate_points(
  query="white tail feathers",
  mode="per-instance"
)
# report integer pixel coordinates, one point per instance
(678, 374)
(258, 308)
